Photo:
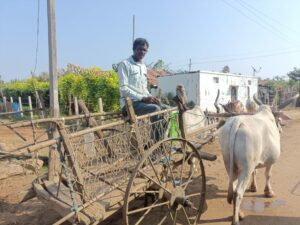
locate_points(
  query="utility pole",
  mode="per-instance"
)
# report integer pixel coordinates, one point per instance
(54, 105)
(255, 70)
(190, 65)
(133, 28)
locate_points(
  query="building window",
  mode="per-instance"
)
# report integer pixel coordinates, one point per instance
(249, 82)
(216, 80)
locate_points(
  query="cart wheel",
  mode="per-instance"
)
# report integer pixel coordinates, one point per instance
(172, 174)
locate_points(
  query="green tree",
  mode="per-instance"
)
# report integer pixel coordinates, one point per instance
(295, 76)
(43, 76)
(226, 69)
(159, 64)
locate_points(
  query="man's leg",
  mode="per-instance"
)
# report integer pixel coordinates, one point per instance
(142, 108)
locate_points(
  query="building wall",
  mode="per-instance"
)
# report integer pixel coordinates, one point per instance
(189, 80)
(201, 87)
(209, 88)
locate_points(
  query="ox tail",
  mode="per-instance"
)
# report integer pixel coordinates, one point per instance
(232, 136)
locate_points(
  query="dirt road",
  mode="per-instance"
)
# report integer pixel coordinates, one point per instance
(284, 209)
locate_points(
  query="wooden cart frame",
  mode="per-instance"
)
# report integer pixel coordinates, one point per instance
(129, 165)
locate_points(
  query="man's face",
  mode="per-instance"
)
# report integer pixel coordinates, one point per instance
(140, 51)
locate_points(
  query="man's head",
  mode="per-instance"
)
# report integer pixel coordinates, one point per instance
(140, 48)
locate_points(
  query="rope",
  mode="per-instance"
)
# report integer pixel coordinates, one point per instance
(35, 156)
(74, 207)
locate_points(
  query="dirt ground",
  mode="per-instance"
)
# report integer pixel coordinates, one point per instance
(283, 209)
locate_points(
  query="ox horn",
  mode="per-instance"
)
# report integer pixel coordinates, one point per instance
(258, 102)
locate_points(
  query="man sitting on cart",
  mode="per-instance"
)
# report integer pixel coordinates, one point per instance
(132, 74)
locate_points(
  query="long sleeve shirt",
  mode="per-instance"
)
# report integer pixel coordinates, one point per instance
(132, 80)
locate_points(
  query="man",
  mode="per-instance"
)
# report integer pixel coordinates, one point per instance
(133, 81)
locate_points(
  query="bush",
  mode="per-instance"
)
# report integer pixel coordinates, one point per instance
(26, 88)
(88, 85)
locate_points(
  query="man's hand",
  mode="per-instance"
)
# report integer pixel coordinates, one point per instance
(151, 100)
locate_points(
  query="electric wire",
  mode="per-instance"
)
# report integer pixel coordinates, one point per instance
(260, 18)
(37, 37)
(269, 17)
(241, 58)
(241, 54)
(256, 22)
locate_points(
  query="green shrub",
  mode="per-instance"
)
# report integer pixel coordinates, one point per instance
(88, 85)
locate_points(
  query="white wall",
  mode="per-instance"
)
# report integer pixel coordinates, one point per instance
(189, 80)
(202, 90)
(208, 88)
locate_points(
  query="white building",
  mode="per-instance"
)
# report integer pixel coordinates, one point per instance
(202, 87)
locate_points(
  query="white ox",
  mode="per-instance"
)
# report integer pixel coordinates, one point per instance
(248, 142)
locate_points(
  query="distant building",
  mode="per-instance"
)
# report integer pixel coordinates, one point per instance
(265, 93)
(202, 87)
(152, 75)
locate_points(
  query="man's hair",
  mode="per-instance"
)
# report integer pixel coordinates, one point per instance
(140, 41)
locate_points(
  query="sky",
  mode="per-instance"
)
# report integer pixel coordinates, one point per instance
(212, 33)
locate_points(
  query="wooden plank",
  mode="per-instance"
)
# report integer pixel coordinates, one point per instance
(93, 123)
(156, 113)
(4, 104)
(71, 158)
(201, 130)
(30, 107)
(57, 205)
(93, 211)
(51, 120)
(100, 104)
(76, 110)
(134, 121)
(228, 114)
(20, 106)
(63, 192)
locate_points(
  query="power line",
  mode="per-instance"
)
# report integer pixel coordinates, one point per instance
(240, 54)
(249, 57)
(241, 58)
(269, 17)
(255, 21)
(37, 36)
(254, 12)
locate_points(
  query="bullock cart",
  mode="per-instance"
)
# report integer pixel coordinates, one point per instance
(145, 169)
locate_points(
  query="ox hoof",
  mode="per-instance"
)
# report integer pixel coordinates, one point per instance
(269, 194)
(241, 215)
(253, 189)
(229, 199)
(235, 223)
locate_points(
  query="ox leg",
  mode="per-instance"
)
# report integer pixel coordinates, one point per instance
(232, 187)
(243, 181)
(253, 186)
(268, 190)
